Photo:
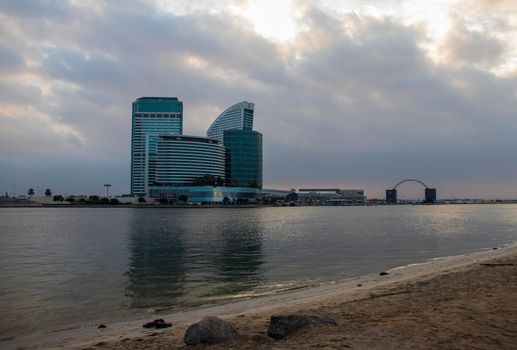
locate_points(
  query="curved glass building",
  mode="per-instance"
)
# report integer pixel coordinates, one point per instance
(243, 153)
(239, 116)
(186, 160)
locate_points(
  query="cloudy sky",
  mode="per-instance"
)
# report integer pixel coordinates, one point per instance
(348, 93)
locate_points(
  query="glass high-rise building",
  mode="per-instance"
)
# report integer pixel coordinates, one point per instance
(151, 116)
(243, 158)
(239, 116)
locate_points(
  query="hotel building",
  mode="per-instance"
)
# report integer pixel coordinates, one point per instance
(151, 116)
(239, 116)
(181, 160)
(243, 146)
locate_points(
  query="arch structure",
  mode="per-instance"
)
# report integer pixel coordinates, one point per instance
(410, 180)
(430, 193)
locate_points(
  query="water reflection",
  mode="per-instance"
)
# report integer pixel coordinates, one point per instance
(176, 259)
(156, 266)
(239, 262)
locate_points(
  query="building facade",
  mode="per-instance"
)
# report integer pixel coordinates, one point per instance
(243, 158)
(188, 160)
(151, 116)
(239, 116)
(206, 194)
(331, 196)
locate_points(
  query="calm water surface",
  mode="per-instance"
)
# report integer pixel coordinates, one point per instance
(62, 267)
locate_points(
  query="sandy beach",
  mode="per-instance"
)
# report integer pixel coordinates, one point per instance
(461, 302)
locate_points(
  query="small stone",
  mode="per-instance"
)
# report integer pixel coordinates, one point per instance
(210, 330)
(282, 325)
(384, 273)
(102, 326)
(495, 248)
(359, 285)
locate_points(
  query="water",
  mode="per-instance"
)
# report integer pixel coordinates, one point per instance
(63, 267)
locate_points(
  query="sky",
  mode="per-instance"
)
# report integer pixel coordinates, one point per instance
(347, 93)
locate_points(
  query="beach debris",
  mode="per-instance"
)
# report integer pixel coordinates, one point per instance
(157, 324)
(102, 326)
(282, 325)
(210, 330)
(494, 248)
(384, 273)
(359, 285)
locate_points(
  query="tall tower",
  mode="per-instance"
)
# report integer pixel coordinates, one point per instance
(239, 116)
(151, 116)
(243, 146)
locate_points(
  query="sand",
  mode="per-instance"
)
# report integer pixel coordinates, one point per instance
(462, 302)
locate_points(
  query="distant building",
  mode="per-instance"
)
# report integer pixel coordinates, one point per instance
(243, 153)
(151, 116)
(331, 196)
(187, 160)
(239, 116)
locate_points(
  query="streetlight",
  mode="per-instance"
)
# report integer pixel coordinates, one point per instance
(107, 189)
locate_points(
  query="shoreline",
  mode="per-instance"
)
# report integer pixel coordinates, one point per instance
(237, 206)
(352, 290)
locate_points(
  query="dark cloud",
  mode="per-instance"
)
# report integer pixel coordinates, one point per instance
(470, 46)
(353, 100)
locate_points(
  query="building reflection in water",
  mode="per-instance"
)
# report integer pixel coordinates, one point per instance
(183, 258)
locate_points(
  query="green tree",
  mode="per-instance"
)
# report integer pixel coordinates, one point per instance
(114, 201)
(31, 192)
(48, 192)
(104, 200)
(93, 199)
(141, 200)
(183, 198)
(70, 199)
(58, 198)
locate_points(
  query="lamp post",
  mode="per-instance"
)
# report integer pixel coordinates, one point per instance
(107, 189)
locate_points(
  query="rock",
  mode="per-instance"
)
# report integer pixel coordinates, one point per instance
(282, 325)
(210, 330)
(495, 248)
(359, 285)
(157, 324)
(102, 326)
(384, 273)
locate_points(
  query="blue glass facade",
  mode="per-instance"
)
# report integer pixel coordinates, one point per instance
(207, 194)
(243, 158)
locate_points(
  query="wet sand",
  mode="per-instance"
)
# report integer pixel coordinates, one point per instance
(463, 302)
